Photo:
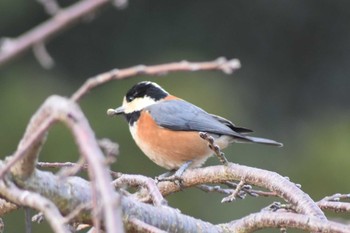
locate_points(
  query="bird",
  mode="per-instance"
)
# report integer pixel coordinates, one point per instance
(166, 128)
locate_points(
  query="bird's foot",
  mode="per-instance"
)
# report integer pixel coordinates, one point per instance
(176, 177)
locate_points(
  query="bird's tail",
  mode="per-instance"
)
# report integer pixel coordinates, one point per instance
(249, 139)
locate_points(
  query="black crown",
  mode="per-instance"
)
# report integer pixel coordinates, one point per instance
(143, 89)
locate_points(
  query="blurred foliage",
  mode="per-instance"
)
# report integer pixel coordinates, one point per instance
(294, 85)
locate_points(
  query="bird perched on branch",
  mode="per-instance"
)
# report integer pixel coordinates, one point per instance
(166, 128)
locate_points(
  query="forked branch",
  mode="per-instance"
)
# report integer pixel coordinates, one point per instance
(71, 193)
(22, 163)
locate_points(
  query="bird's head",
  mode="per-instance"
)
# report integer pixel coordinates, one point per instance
(139, 97)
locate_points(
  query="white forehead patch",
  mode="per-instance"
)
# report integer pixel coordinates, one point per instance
(137, 104)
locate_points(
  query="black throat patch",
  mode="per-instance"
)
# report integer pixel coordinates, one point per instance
(132, 117)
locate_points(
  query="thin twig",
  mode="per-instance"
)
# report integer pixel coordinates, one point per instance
(334, 203)
(73, 170)
(114, 174)
(120, 4)
(337, 197)
(334, 206)
(39, 217)
(278, 206)
(246, 189)
(42, 55)
(227, 66)
(215, 148)
(110, 149)
(65, 18)
(216, 188)
(235, 193)
(57, 164)
(250, 191)
(51, 6)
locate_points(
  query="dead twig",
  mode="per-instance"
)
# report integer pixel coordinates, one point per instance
(42, 33)
(235, 193)
(110, 149)
(227, 66)
(42, 55)
(215, 148)
(334, 203)
(244, 191)
(248, 189)
(51, 6)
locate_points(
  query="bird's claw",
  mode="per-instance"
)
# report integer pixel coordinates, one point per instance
(178, 180)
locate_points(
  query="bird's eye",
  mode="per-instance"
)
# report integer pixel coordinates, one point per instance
(130, 98)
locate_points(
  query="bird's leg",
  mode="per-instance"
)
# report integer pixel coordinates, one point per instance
(164, 175)
(215, 148)
(177, 176)
(182, 169)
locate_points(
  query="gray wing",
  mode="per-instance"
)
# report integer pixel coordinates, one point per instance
(184, 116)
(231, 125)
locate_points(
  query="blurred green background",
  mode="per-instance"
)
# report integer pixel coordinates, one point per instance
(294, 85)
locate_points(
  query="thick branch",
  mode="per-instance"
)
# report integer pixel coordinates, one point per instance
(60, 109)
(31, 199)
(43, 32)
(74, 192)
(258, 221)
(262, 178)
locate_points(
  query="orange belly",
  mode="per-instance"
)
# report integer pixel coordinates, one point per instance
(168, 148)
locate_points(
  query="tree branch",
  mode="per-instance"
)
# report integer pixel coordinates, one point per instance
(263, 220)
(33, 200)
(226, 66)
(142, 181)
(333, 203)
(73, 195)
(75, 191)
(60, 109)
(139, 226)
(255, 176)
(40, 34)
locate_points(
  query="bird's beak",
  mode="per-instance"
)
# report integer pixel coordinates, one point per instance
(117, 111)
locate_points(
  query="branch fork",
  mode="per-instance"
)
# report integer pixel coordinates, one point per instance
(28, 186)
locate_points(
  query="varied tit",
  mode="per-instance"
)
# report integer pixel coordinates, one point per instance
(166, 128)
